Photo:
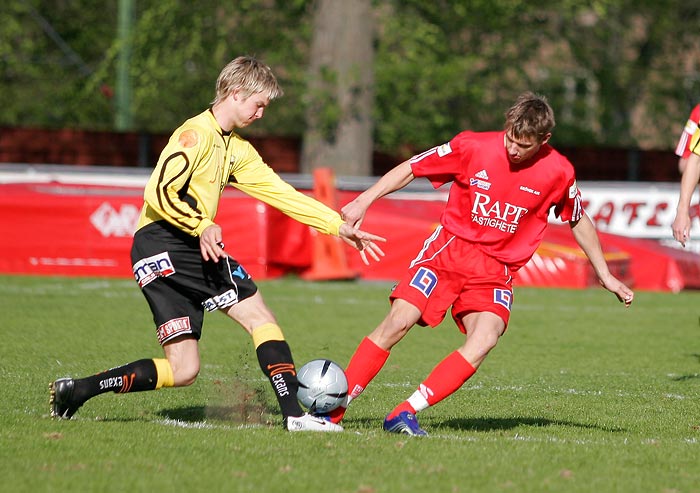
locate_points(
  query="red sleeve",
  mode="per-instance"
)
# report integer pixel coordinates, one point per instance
(442, 163)
(570, 208)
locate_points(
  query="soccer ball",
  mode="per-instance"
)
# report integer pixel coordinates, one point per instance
(322, 386)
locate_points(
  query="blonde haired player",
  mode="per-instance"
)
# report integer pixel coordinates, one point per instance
(178, 254)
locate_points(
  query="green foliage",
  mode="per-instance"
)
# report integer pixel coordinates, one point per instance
(175, 69)
(608, 66)
(442, 67)
(59, 59)
(47, 55)
(580, 395)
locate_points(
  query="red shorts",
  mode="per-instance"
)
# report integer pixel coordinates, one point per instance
(451, 272)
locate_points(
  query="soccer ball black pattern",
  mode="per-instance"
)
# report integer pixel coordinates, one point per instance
(322, 386)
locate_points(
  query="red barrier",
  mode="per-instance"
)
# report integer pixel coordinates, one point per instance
(85, 230)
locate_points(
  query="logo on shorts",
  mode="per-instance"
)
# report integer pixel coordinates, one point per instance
(424, 281)
(148, 269)
(173, 328)
(221, 301)
(503, 297)
(240, 272)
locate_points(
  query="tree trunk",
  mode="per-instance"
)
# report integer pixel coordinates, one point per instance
(340, 96)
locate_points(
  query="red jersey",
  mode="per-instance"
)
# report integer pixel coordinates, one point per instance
(683, 146)
(501, 207)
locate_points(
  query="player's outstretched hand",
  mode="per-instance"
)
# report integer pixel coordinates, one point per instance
(362, 241)
(681, 228)
(618, 288)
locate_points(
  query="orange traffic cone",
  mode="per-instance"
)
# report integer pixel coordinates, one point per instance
(329, 261)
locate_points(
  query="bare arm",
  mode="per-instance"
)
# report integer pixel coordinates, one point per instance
(691, 175)
(397, 178)
(587, 238)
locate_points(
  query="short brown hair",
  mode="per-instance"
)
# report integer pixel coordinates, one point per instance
(248, 75)
(530, 116)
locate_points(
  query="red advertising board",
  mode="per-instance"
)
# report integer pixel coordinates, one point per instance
(84, 227)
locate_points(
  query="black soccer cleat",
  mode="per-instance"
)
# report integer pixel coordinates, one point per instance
(61, 398)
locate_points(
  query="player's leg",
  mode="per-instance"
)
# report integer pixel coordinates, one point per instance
(483, 332)
(157, 254)
(482, 314)
(373, 351)
(183, 356)
(450, 374)
(423, 296)
(179, 368)
(67, 395)
(272, 350)
(276, 362)
(179, 325)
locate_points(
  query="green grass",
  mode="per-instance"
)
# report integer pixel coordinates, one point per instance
(580, 395)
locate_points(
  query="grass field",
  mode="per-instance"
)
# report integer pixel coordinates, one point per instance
(580, 395)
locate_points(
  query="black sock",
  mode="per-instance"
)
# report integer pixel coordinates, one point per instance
(133, 377)
(276, 362)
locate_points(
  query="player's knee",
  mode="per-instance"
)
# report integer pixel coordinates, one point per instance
(251, 318)
(487, 337)
(490, 339)
(185, 375)
(398, 324)
(478, 345)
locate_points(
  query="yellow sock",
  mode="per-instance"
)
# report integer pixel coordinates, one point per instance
(267, 332)
(165, 373)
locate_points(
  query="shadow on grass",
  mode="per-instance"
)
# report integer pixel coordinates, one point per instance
(489, 424)
(502, 424)
(688, 376)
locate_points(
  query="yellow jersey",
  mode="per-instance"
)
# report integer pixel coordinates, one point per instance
(196, 164)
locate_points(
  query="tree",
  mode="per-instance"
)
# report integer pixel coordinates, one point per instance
(615, 56)
(340, 91)
(396, 75)
(446, 66)
(59, 60)
(48, 53)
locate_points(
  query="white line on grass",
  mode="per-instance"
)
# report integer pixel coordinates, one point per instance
(199, 425)
(203, 425)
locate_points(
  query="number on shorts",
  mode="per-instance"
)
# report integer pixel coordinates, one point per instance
(424, 281)
(503, 297)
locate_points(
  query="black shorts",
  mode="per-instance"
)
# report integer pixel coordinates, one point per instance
(179, 285)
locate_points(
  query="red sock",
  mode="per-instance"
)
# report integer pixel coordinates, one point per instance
(363, 367)
(404, 406)
(448, 376)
